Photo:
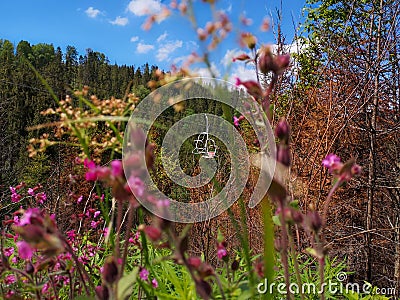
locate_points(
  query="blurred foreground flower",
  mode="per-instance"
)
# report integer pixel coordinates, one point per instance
(342, 171)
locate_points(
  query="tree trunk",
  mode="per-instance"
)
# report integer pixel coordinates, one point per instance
(397, 260)
(372, 151)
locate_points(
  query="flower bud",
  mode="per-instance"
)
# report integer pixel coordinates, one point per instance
(252, 87)
(278, 244)
(149, 155)
(265, 60)
(282, 62)
(297, 216)
(282, 131)
(110, 271)
(194, 261)
(235, 265)
(29, 268)
(205, 270)
(287, 215)
(249, 40)
(153, 232)
(283, 155)
(102, 292)
(203, 288)
(201, 34)
(314, 221)
(259, 267)
(241, 57)
(268, 62)
(355, 169)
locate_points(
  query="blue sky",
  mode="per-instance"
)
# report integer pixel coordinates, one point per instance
(115, 28)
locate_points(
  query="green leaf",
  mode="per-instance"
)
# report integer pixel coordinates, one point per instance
(125, 284)
(269, 249)
(352, 295)
(294, 204)
(314, 253)
(276, 220)
(84, 298)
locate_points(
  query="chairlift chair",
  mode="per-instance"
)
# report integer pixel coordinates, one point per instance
(204, 144)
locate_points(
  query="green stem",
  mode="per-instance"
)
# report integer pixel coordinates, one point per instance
(295, 263)
(321, 265)
(127, 235)
(269, 249)
(284, 256)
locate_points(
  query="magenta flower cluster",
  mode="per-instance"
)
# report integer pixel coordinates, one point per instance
(342, 171)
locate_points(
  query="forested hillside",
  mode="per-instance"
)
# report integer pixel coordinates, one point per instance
(23, 96)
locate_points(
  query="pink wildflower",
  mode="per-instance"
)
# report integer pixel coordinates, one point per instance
(41, 197)
(10, 294)
(31, 192)
(137, 185)
(71, 235)
(144, 274)
(135, 238)
(154, 283)
(45, 288)
(8, 251)
(96, 214)
(221, 252)
(15, 197)
(343, 171)
(26, 218)
(24, 250)
(116, 168)
(91, 175)
(237, 120)
(10, 279)
(331, 162)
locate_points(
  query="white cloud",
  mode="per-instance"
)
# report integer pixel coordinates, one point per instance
(162, 37)
(243, 72)
(205, 72)
(92, 12)
(134, 39)
(179, 59)
(229, 55)
(165, 50)
(144, 7)
(144, 48)
(191, 46)
(120, 21)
